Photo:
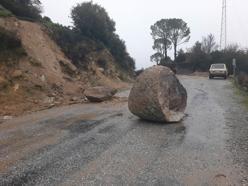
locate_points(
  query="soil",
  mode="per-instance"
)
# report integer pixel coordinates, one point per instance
(45, 77)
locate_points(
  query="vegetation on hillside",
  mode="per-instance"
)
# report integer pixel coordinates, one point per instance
(10, 47)
(26, 9)
(4, 12)
(93, 31)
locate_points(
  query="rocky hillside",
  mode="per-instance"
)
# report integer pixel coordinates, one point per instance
(42, 76)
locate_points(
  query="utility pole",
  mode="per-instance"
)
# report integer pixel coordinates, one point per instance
(223, 33)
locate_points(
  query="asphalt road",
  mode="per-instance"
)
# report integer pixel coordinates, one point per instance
(104, 144)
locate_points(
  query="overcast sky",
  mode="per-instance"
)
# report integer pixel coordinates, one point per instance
(134, 17)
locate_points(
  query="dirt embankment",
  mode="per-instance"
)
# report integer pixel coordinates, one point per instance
(45, 77)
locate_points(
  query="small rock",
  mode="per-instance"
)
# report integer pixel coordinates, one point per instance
(51, 106)
(49, 100)
(57, 102)
(101, 70)
(68, 78)
(43, 78)
(3, 82)
(17, 74)
(67, 67)
(74, 98)
(16, 87)
(36, 101)
(52, 94)
(84, 100)
(99, 94)
(7, 117)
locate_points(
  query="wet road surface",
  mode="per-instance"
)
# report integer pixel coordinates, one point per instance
(104, 144)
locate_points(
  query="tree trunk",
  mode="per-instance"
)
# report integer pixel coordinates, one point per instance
(165, 49)
(165, 53)
(175, 51)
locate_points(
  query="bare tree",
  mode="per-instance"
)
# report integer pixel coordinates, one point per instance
(209, 44)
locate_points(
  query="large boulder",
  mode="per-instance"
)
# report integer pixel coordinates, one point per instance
(99, 94)
(157, 95)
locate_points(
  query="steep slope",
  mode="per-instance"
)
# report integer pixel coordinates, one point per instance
(44, 56)
(44, 77)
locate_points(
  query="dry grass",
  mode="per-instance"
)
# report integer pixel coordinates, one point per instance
(240, 92)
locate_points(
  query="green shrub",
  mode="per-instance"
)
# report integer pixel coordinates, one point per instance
(29, 9)
(10, 47)
(75, 45)
(4, 12)
(93, 22)
(93, 31)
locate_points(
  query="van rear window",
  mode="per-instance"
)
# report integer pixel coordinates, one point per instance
(218, 66)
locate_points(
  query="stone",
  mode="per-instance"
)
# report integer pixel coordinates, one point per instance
(101, 70)
(51, 106)
(43, 78)
(16, 87)
(84, 100)
(36, 101)
(51, 94)
(74, 99)
(7, 117)
(49, 100)
(157, 95)
(99, 94)
(17, 74)
(67, 67)
(3, 82)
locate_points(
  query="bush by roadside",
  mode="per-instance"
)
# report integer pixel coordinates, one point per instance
(4, 12)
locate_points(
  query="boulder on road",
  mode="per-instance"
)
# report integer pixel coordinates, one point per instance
(99, 94)
(157, 95)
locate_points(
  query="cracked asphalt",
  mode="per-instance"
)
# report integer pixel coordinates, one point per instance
(104, 144)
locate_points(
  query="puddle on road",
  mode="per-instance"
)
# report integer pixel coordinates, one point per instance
(83, 126)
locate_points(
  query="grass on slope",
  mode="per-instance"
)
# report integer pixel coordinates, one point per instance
(4, 12)
(241, 92)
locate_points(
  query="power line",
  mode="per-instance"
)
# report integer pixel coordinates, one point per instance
(223, 33)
